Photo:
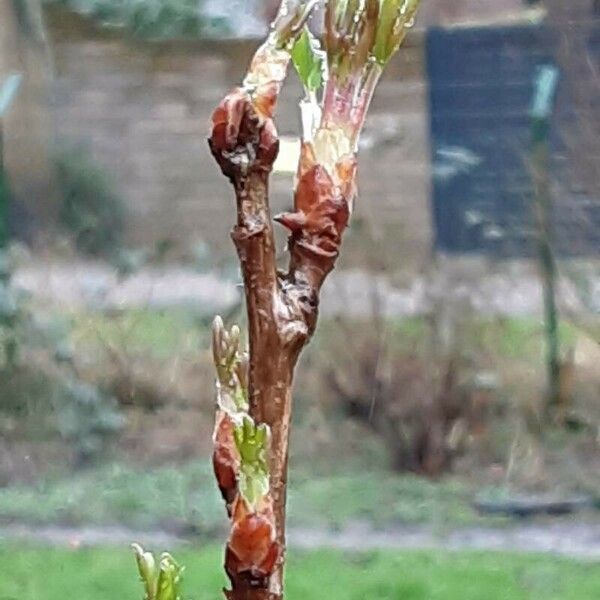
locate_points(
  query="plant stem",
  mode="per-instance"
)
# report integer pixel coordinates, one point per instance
(271, 364)
(282, 307)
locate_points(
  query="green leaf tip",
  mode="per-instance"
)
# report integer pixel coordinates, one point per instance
(147, 569)
(232, 367)
(161, 581)
(395, 18)
(169, 578)
(309, 61)
(252, 442)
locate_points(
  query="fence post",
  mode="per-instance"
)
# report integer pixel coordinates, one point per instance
(541, 113)
(8, 91)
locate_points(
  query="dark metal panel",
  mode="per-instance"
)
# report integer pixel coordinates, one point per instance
(481, 83)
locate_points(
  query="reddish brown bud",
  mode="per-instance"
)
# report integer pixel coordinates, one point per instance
(346, 175)
(322, 211)
(227, 118)
(269, 144)
(265, 99)
(226, 459)
(293, 221)
(242, 138)
(252, 546)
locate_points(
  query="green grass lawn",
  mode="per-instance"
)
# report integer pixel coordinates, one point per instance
(187, 495)
(102, 574)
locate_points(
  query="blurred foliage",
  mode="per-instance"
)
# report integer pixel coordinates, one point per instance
(139, 354)
(11, 314)
(163, 332)
(49, 406)
(154, 19)
(102, 573)
(340, 475)
(19, 327)
(469, 385)
(40, 385)
(154, 333)
(92, 211)
(86, 418)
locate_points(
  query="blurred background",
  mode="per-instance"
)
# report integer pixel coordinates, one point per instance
(446, 439)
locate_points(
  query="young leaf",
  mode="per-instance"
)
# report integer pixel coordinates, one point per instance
(309, 60)
(252, 443)
(169, 579)
(147, 569)
(161, 581)
(395, 17)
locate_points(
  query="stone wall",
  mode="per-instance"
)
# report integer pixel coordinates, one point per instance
(142, 110)
(25, 128)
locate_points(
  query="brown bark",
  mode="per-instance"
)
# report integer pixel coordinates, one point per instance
(271, 365)
(282, 308)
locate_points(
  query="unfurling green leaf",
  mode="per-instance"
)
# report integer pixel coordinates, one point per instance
(232, 368)
(169, 579)
(309, 60)
(350, 32)
(161, 581)
(253, 444)
(395, 18)
(147, 569)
